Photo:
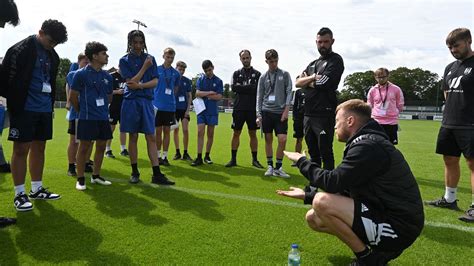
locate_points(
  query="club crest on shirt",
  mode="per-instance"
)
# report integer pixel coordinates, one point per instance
(106, 81)
(467, 70)
(214, 84)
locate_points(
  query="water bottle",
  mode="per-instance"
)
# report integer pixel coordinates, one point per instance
(294, 257)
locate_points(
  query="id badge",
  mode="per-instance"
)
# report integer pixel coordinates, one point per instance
(181, 99)
(99, 101)
(46, 87)
(168, 91)
(271, 98)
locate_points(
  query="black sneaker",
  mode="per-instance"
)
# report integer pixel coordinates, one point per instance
(177, 156)
(442, 203)
(89, 168)
(109, 154)
(186, 157)
(134, 179)
(208, 160)
(231, 163)
(43, 194)
(5, 221)
(257, 164)
(124, 152)
(5, 168)
(197, 162)
(161, 180)
(468, 215)
(72, 172)
(22, 203)
(165, 162)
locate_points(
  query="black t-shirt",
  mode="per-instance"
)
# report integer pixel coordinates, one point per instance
(458, 84)
(118, 83)
(244, 84)
(321, 100)
(298, 104)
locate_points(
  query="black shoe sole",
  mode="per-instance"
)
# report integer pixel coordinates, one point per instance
(231, 164)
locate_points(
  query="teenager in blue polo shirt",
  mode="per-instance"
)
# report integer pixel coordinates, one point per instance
(90, 95)
(165, 103)
(208, 87)
(139, 70)
(183, 103)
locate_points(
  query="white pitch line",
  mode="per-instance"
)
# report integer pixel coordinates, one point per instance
(277, 202)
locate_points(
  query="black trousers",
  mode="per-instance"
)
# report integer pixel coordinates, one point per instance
(319, 135)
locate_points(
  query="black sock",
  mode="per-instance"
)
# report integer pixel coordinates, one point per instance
(234, 155)
(364, 253)
(207, 155)
(156, 171)
(185, 151)
(72, 166)
(81, 181)
(95, 176)
(254, 156)
(199, 156)
(270, 161)
(177, 151)
(279, 163)
(135, 169)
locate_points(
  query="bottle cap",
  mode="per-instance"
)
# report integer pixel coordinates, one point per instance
(294, 245)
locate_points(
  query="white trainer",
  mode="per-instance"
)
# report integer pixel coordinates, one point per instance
(101, 181)
(269, 171)
(80, 187)
(279, 172)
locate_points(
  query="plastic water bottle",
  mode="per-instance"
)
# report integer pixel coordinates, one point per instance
(294, 257)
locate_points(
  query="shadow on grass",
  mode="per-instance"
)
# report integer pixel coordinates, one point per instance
(53, 236)
(7, 249)
(439, 184)
(448, 236)
(339, 260)
(205, 173)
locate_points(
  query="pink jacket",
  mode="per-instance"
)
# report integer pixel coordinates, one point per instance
(386, 114)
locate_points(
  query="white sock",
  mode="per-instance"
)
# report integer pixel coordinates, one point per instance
(35, 185)
(19, 189)
(450, 194)
(122, 147)
(165, 154)
(107, 148)
(159, 154)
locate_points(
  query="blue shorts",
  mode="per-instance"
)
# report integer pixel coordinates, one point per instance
(137, 116)
(93, 130)
(210, 120)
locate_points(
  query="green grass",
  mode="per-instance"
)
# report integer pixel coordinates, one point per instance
(214, 215)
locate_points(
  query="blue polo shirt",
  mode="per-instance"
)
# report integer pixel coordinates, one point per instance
(130, 64)
(93, 87)
(73, 67)
(164, 98)
(72, 111)
(185, 87)
(210, 84)
(37, 100)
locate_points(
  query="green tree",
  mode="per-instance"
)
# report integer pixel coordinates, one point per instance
(356, 86)
(63, 70)
(227, 93)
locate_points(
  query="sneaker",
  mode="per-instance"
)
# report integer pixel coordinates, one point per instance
(269, 171)
(44, 194)
(257, 164)
(208, 160)
(165, 162)
(81, 183)
(5, 221)
(22, 203)
(232, 163)
(197, 162)
(100, 180)
(124, 152)
(177, 156)
(109, 154)
(468, 215)
(5, 168)
(161, 180)
(442, 203)
(71, 172)
(186, 157)
(279, 172)
(160, 161)
(134, 179)
(89, 168)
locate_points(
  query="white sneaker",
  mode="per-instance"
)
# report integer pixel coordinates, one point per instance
(279, 172)
(269, 171)
(101, 181)
(80, 187)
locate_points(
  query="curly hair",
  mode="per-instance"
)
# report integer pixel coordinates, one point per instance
(56, 30)
(9, 12)
(93, 48)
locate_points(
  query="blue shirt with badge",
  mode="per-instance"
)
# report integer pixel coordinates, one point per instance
(72, 111)
(210, 84)
(94, 87)
(39, 93)
(182, 95)
(164, 98)
(130, 64)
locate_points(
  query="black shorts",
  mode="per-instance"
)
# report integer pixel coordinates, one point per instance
(93, 130)
(114, 117)
(453, 142)
(165, 119)
(28, 126)
(180, 115)
(298, 128)
(391, 131)
(374, 228)
(72, 127)
(239, 118)
(271, 121)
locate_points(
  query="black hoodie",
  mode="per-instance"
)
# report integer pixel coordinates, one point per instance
(374, 171)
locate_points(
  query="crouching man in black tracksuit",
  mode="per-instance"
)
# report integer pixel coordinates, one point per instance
(371, 201)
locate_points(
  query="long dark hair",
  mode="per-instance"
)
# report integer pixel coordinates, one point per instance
(133, 34)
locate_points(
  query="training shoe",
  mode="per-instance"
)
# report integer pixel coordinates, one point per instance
(81, 183)
(124, 152)
(186, 157)
(5, 168)
(165, 162)
(100, 180)
(208, 160)
(197, 162)
(161, 180)
(5, 221)
(134, 179)
(177, 156)
(22, 203)
(232, 163)
(71, 172)
(442, 203)
(269, 171)
(279, 172)
(43, 194)
(109, 154)
(468, 215)
(89, 168)
(257, 164)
